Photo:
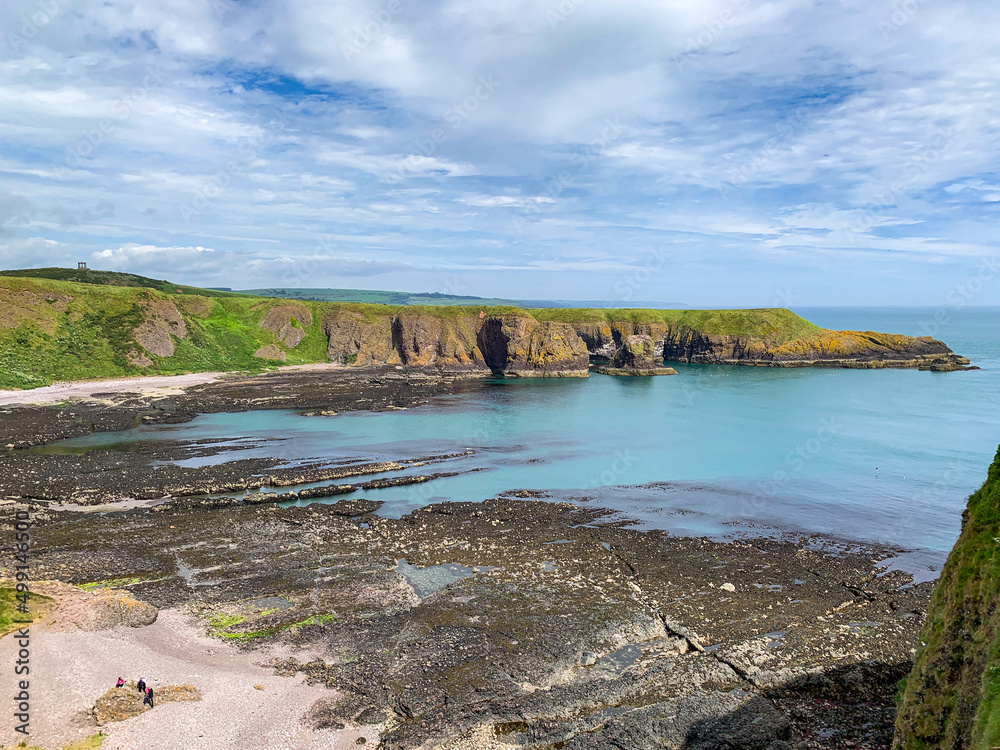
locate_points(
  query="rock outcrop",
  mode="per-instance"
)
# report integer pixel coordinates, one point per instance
(523, 347)
(288, 323)
(162, 323)
(637, 356)
(119, 704)
(426, 340)
(952, 696)
(357, 338)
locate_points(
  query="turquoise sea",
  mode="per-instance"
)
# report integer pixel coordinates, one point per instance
(873, 455)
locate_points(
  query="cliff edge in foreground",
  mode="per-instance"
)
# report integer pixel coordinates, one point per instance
(952, 696)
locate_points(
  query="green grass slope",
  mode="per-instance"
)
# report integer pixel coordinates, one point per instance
(59, 330)
(952, 696)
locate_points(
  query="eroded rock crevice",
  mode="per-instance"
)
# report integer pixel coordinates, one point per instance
(493, 343)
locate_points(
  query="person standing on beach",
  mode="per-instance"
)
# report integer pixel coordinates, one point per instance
(149, 697)
(142, 685)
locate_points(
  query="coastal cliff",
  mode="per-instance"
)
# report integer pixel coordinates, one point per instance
(763, 338)
(952, 696)
(57, 330)
(504, 344)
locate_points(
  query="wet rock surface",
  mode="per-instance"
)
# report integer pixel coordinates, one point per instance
(547, 626)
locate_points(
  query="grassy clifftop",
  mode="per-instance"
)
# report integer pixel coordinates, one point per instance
(952, 696)
(773, 323)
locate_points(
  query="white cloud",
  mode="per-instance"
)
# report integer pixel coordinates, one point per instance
(259, 268)
(506, 201)
(298, 120)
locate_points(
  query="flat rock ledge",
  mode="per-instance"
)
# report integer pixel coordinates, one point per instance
(635, 371)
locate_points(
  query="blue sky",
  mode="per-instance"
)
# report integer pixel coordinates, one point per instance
(713, 153)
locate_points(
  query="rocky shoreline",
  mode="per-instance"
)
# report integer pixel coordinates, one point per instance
(323, 389)
(538, 624)
(516, 622)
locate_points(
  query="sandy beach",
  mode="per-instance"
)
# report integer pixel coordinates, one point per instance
(71, 667)
(151, 385)
(88, 390)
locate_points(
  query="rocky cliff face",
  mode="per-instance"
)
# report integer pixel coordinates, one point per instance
(288, 323)
(515, 345)
(137, 330)
(520, 345)
(162, 323)
(866, 349)
(952, 696)
(502, 345)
